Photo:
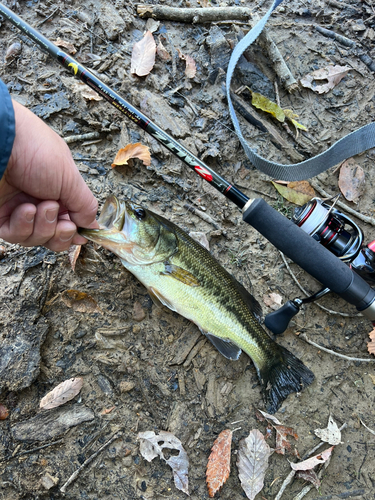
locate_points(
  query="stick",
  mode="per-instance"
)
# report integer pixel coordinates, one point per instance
(304, 337)
(82, 137)
(202, 215)
(75, 474)
(191, 15)
(342, 205)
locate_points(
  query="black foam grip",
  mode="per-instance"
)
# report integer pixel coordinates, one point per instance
(308, 254)
(278, 321)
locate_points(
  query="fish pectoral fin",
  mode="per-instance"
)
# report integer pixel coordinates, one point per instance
(225, 347)
(159, 300)
(180, 274)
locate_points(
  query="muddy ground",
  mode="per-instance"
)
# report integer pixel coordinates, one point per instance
(154, 368)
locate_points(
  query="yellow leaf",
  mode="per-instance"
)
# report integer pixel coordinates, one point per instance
(136, 150)
(263, 103)
(298, 193)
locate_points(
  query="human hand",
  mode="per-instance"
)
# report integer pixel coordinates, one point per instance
(43, 197)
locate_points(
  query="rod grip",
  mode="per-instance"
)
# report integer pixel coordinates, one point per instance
(309, 254)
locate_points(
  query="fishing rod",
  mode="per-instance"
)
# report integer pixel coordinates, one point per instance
(292, 237)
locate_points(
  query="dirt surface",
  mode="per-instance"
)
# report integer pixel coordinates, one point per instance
(154, 369)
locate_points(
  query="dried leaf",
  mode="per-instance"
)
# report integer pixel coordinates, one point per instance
(191, 68)
(311, 462)
(81, 88)
(66, 45)
(252, 462)
(108, 410)
(298, 193)
(351, 180)
(143, 55)
(310, 476)
(80, 301)
(64, 392)
(90, 94)
(13, 51)
(262, 416)
(331, 434)
(152, 445)
(136, 150)
(282, 443)
(162, 52)
(218, 467)
(73, 254)
(273, 300)
(201, 238)
(4, 412)
(138, 311)
(371, 344)
(334, 74)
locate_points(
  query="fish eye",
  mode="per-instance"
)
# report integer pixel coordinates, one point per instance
(140, 213)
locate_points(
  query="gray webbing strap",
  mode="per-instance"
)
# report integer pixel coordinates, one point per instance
(356, 142)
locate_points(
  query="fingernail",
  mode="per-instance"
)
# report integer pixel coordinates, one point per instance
(66, 237)
(30, 216)
(51, 215)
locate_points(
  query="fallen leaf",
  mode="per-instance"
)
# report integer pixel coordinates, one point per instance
(73, 254)
(351, 180)
(262, 416)
(310, 476)
(138, 312)
(262, 102)
(331, 434)
(191, 68)
(136, 150)
(13, 51)
(371, 344)
(80, 301)
(334, 74)
(252, 462)
(201, 238)
(82, 89)
(4, 412)
(107, 410)
(299, 192)
(218, 467)
(282, 431)
(143, 55)
(162, 52)
(152, 445)
(273, 300)
(291, 116)
(64, 392)
(66, 45)
(91, 94)
(310, 463)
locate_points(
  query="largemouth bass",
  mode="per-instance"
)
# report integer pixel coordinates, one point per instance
(183, 276)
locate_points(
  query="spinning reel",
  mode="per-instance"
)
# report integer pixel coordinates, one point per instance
(341, 236)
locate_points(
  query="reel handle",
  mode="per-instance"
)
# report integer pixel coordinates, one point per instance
(310, 255)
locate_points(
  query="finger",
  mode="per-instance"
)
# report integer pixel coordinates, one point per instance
(18, 227)
(45, 223)
(63, 237)
(79, 201)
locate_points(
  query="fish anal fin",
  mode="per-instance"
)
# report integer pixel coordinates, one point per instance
(225, 347)
(159, 300)
(180, 274)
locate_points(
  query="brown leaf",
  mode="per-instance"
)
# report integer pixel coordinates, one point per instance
(282, 443)
(80, 301)
(310, 476)
(310, 463)
(252, 462)
(272, 300)
(191, 67)
(108, 410)
(152, 445)
(64, 392)
(162, 52)
(136, 150)
(351, 180)
(66, 45)
(138, 311)
(73, 254)
(371, 345)
(143, 55)
(218, 467)
(298, 193)
(334, 74)
(201, 238)
(4, 412)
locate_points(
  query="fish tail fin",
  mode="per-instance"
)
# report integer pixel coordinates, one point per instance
(284, 375)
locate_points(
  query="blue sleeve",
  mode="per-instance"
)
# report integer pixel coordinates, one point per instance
(7, 127)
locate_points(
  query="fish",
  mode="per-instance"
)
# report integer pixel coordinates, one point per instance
(183, 276)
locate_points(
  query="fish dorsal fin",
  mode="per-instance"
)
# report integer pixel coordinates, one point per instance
(225, 347)
(159, 300)
(180, 274)
(250, 301)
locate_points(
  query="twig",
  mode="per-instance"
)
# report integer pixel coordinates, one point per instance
(33, 450)
(202, 215)
(191, 15)
(82, 137)
(304, 337)
(368, 428)
(346, 315)
(342, 205)
(75, 474)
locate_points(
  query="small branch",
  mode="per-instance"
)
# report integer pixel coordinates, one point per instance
(304, 337)
(75, 474)
(202, 215)
(342, 205)
(82, 137)
(191, 15)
